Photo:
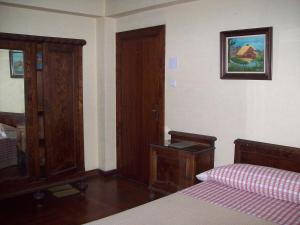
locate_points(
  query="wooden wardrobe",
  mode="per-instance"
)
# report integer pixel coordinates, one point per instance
(53, 116)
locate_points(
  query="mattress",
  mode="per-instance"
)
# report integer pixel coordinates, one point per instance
(209, 203)
(180, 209)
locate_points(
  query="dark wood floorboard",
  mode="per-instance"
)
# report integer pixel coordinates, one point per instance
(105, 196)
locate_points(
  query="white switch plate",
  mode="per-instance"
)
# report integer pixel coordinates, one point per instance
(173, 83)
(173, 63)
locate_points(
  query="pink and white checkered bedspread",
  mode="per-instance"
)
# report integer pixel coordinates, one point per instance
(274, 210)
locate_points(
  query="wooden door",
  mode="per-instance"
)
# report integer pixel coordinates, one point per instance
(62, 82)
(140, 98)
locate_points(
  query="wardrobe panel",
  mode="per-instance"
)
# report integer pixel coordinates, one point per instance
(61, 106)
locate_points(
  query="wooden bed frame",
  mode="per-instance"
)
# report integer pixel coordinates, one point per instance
(12, 119)
(265, 154)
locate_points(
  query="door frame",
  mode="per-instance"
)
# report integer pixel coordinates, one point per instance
(144, 32)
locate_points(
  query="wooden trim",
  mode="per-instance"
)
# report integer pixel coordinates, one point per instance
(91, 173)
(143, 32)
(30, 79)
(265, 154)
(108, 172)
(97, 172)
(40, 39)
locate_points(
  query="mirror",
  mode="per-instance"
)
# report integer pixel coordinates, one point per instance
(13, 162)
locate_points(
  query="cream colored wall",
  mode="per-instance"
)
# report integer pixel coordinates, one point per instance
(88, 7)
(11, 89)
(106, 28)
(228, 109)
(101, 92)
(118, 7)
(201, 102)
(34, 22)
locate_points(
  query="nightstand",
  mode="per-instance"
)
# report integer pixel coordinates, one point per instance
(175, 168)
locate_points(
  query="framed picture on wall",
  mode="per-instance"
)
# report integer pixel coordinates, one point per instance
(16, 61)
(246, 54)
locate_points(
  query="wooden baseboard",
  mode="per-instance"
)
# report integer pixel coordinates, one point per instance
(108, 172)
(91, 173)
(97, 172)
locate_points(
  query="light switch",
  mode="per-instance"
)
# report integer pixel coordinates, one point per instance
(173, 63)
(173, 83)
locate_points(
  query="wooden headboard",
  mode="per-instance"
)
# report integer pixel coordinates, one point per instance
(264, 154)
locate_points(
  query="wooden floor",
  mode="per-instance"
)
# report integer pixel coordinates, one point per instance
(105, 196)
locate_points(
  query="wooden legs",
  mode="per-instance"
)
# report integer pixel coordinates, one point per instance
(82, 186)
(39, 198)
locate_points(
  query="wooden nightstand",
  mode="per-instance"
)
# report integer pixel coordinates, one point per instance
(173, 169)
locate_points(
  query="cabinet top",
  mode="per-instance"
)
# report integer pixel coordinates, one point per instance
(197, 147)
(177, 136)
(188, 142)
(40, 39)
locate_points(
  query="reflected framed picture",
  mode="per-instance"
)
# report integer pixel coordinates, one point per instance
(246, 54)
(16, 61)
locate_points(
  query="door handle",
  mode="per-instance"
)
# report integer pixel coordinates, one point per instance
(156, 113)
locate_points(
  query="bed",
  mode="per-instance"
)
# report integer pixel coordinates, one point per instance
(262, 187)
(8, 153)
(12, 139)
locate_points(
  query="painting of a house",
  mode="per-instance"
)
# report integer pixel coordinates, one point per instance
(246, 54)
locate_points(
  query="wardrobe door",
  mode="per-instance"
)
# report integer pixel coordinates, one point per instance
(63, 125)
(19, 165)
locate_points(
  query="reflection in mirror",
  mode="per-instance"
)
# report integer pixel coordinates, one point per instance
(12, 115)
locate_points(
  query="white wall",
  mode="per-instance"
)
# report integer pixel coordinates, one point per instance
(34, 22)
(88, 7)
(11, 89)
(228, 109)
